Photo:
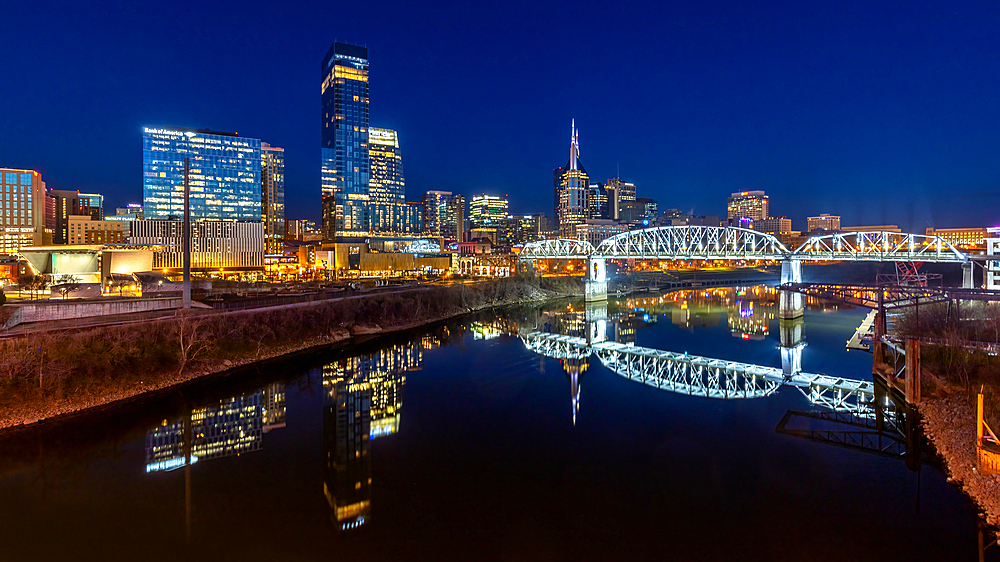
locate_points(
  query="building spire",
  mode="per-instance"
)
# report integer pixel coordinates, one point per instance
(574, 147)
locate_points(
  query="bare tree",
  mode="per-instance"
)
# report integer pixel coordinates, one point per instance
(66, 284)
(192, 340)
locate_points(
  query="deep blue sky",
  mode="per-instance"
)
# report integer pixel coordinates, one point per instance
(881, 112)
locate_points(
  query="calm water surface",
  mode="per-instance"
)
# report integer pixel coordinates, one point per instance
(460, 443)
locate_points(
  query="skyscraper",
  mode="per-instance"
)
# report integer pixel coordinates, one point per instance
(444, 215)
(623, 192)
(272, 193)
(486, 211)
(387, 210)
(571, 184)
(751, 205)
(345, 164)
(386, 183)
(224, 174)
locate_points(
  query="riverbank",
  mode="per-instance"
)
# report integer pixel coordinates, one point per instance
(48, 375)
(950, 423)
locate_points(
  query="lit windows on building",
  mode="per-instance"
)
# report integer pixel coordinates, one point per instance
(215, 245)
(596, 231)
(829, 223)
(224, 174)
(962, 238)
(572, 187)
(444, 215)
(487, 211)
(345, 163)
(22, 210)
(386, 183)
(272, 193)
(752, 205)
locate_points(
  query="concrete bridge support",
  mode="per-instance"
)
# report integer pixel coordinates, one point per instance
(791, 345)
(596, 280)
(789, 302)
(967, 275)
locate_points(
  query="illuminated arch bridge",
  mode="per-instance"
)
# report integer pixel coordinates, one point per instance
(705, 377)
(732, 243)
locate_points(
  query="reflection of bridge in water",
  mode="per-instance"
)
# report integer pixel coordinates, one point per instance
(855, 414)
(702, 376)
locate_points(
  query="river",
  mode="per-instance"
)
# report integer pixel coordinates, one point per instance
(459, 442)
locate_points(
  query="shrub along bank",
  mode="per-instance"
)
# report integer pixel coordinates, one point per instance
(46, 374)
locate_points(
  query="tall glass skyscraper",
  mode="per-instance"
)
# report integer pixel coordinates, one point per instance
(345, 165)
(272, 192)
(224, 174)
(386, 183)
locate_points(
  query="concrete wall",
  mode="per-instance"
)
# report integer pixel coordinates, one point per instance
(52, 311)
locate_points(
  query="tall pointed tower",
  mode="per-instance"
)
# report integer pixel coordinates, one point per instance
(571, 183)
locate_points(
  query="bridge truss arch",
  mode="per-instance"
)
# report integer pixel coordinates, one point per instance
(686, 374)
(692, 242)
(565, 248)
(878, 246)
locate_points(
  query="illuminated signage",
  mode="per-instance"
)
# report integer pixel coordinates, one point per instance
(169, 464)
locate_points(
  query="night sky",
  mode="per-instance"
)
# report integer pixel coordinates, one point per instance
(880, 112)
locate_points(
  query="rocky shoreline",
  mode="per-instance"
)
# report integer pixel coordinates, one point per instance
(35, 414)
(950, 423)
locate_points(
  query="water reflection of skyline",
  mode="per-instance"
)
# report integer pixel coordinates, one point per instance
(234, 426)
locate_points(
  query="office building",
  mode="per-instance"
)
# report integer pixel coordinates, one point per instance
(640, 212)
(773, 225)
(386, 183)
(623, 191)
(134, 210)
(444, 215)
(83, 229)
(94, 204)
(272, 194)
(224, 174)
(596, 231)
(345, 165)
(521, 229)
(216, 246)
(751, 205)
(22, 210)
(962, 238)
(64, 204)
(572, 185)
(601, 201)
(873, 228)
(829, 223)
(486, 211)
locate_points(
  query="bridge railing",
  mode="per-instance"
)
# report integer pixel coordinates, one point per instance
(728, 243)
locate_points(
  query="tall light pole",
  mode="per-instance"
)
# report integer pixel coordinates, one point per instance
(187, 237)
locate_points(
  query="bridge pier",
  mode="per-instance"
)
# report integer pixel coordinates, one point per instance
(967, 275)
(791, 345)
(596, 316)
(789, 302)
(596, 280)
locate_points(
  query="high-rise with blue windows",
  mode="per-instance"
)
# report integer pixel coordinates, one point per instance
(345, 166)
(224, 174)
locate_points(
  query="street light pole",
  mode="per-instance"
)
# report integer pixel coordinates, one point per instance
(187, 237)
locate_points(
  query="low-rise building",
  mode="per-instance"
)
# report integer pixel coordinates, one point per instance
(873, 228)
(829, 223)
(216, 246)
(773, 225)
(596, 231)
(83, 229)
(963, 238)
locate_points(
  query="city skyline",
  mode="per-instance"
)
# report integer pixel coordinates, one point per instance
(837, 109)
